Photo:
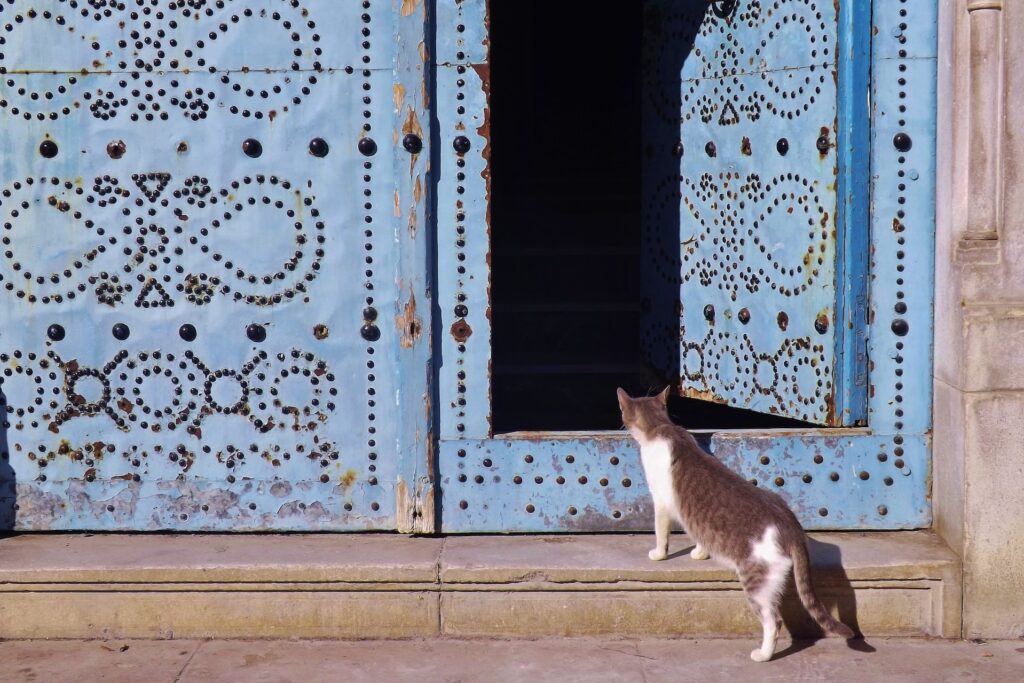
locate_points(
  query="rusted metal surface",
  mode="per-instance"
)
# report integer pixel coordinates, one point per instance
(202, 263)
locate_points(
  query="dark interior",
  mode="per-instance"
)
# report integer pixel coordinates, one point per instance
(567, 141)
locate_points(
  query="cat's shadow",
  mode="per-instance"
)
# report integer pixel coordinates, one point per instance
(834, 589)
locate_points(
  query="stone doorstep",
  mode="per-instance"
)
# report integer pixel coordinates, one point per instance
(388, 586)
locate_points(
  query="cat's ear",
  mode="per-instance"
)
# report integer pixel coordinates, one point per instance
(623, 398)
(663, 396)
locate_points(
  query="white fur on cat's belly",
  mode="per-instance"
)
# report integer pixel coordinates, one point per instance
(656, 457)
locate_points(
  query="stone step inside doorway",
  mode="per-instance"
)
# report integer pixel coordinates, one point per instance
(393, 586)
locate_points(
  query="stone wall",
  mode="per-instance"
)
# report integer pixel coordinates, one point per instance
(978, 483)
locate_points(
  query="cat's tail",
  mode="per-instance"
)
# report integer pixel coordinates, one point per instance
(804, 587)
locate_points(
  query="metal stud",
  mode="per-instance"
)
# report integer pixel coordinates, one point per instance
(252, 148)
(187, 332)
(677, 151)
(900, 327)
(461, 144)
(782, 146)
(461, 311)
(412, 143)
(55, 332)
(318, 147)
(744, 315)
(369, 314)
(709, 313)
(711, 149)
(783, 320)
(367, 147)
(822, 144)
(116, 149)
(48, 148)
(902, 142)
(370, 332)
(256, 332)
(821, 323)
(120, 331)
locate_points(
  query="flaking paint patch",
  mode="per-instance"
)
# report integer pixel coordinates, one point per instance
(408, 323)
(409, 6)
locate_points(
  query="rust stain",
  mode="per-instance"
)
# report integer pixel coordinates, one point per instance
(417, 190)
(461, 331)
(399, 95)
(409, 324)
(320, 332)
(409, 6)
(348, 478)
(125, 405)
(398, 205)
(745, 146)
(703, 395)
(272, 114)
(412, 124)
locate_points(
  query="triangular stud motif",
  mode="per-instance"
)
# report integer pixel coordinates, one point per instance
(151, 184)
(729, 115)
(153, 295)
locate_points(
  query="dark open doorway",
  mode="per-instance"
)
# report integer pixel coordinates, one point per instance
(568, 143)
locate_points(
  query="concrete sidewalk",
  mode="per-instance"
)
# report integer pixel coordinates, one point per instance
(493, 661)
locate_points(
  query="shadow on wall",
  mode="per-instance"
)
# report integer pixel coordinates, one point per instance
(8, 480)
(835, 591)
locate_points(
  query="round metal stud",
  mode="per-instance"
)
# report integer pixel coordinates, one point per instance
(902, 142)
(412, 144)
(116, 149)
(318, 147)
(256, 332)
(709, 313)
(821, 323)
(900, 327)
(367, 147)
(822, 144)
(252, 148)
(782, 146)
(187, 332)
(744, 316)
(677, 151)
(55, 332)
(461, 311)
(461, 144)
(369, 314)
(320, 332)
(370, 332)
(120, 331)
(710, 149)
(783, 320)
(48, 148)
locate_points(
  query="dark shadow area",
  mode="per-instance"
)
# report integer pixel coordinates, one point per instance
(834, 590)
(8, 480)
(585, 243)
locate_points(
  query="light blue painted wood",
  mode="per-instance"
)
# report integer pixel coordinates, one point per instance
(315, 422)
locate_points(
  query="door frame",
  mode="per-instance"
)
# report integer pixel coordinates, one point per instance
(872, 477)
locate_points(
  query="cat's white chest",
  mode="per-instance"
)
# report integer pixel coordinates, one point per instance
(656, 457)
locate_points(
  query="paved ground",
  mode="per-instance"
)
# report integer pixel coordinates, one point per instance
(562, 660)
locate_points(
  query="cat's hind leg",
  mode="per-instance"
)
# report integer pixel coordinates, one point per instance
(763, 583)
(699, 552)
(662, 529)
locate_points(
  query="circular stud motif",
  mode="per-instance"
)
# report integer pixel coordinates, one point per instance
(782, 146)
(187, 332)
(367, 147)
(120, 331)
(256, 332)
(252, 148)
(370, 333)
(461, 144)
(48, 148)
(821, 324)
(900, 327)
(318, 147)
(412, 143)
(55, 332)
(902, 142)
(116, 149)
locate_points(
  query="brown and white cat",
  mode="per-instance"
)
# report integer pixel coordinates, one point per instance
(749, 528)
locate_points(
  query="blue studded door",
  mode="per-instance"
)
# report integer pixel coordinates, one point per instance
(757, 131)
(212, 223)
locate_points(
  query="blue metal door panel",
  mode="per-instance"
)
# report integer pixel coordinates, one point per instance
(743, 122)
(211, 269)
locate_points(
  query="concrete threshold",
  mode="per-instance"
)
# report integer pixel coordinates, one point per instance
(392, 586)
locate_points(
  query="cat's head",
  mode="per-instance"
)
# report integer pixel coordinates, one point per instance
(640, 415)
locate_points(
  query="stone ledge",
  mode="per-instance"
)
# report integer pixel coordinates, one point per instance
(391, 586)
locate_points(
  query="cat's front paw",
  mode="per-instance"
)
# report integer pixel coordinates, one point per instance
(700, 553)
(657, 554)
(759, 656)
